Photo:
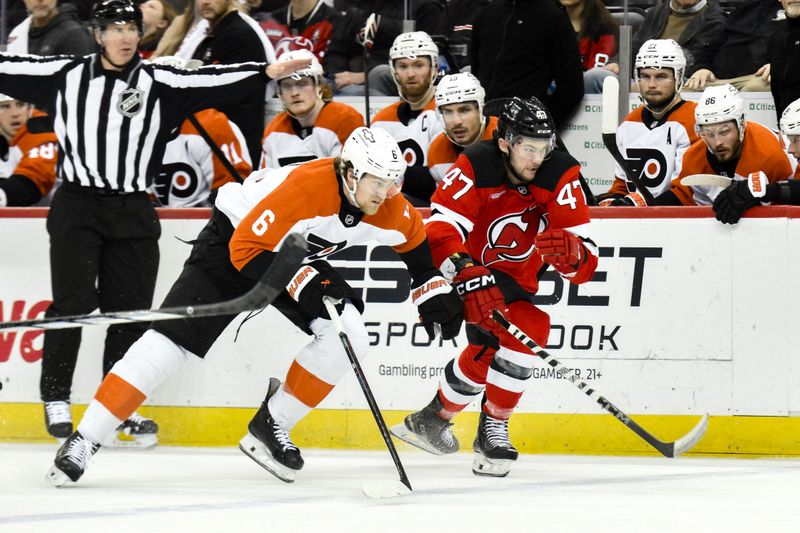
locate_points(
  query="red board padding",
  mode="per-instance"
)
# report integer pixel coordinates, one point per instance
(773, 211)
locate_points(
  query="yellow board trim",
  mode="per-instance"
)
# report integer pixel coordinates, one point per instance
(598, 434)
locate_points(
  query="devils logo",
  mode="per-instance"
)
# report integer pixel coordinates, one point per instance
(510, 238)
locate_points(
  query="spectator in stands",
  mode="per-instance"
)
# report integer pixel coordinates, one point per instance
(50, 30)
(459, 102)
(742, 59)
(255, 7)
(236, 38)
(784, 58)
(187, 24)
(413, 121)
(28, 154)
(520, 47)
(302, 25)
(458, 17)
(311, 126)
(696, 25)
(654, 137)
(731, 147)
(344, 61)
(157, 15)
(597, 37)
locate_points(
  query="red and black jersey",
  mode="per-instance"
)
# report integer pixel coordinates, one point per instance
(476, 210)
(312, 32)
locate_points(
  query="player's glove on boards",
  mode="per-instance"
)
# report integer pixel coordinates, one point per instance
(731, 203)
(314, 281)
(561, 249)
(476, 286)
(439, 307)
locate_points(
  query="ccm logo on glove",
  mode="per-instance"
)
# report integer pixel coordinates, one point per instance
(475, 284)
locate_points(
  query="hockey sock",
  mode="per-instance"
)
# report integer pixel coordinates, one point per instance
(506, 380)
(456, 389)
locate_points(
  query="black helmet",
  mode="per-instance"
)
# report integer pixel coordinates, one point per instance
(107, 12)
(527, 117)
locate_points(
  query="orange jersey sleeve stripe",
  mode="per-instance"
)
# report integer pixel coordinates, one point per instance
(118, 396)
(305, 386)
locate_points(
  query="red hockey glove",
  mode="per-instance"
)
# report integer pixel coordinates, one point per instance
(475, 285)
(561, 249)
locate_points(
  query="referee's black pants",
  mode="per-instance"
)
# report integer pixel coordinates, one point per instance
(103, 254)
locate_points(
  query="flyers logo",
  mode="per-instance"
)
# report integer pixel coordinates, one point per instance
(177, 184)
(319, 247)
(510, 238)
(650, 165)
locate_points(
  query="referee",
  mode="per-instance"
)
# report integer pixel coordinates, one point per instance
(112, 115)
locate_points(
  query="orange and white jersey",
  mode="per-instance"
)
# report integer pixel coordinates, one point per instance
(286, 142)
(190, 170)
(33, 153)
(308, 199)
(654, 148)
(444, 152)
(414, 131)
(761, 151)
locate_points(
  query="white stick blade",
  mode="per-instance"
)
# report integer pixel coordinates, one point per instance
(687, 442)
(381, 490)
(712, 180)
(610, 104)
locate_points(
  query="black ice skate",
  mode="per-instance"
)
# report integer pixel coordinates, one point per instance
(136, 432)
(72, 459)
(494, 452)
(58, 419)
(427, 430)
(269, 445)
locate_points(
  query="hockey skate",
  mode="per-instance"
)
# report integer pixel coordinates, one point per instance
(136, 432)
(269, 445)
(494, 452)
(72, 459)
(58, 419)
(428, 431)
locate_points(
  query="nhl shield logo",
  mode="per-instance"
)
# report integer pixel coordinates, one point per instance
(130, 102)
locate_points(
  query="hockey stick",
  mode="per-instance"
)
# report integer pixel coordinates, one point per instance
(381, 489)
(610, 114)
(274, 280)
(216, 149)
(368, 42)
(667, 449)
(713, 180)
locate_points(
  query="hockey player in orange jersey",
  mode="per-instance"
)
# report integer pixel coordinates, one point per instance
(731, 147)
(28, 155)
(507, 208)
(654, 137)
(731, 203)
(308, 127)
(413, 121)
(333, 203)
(459, 102)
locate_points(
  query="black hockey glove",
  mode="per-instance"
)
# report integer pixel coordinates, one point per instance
(439, 307)
(730, 204)
(314, 281)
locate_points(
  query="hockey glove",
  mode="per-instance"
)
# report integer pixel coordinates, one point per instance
(633, 199)
(731, 203)
(439, 308)
(476, 286)
(561, 249)
(314, 281)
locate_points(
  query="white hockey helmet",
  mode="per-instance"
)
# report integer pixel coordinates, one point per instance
(314, 70)
(790, 119)
(662, 53)
(411, 45)
(6, 98)
(373, 151)
(458, 88)
(720, 104)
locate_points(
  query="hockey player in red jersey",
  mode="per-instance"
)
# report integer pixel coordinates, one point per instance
(507, 207)
(333, 203)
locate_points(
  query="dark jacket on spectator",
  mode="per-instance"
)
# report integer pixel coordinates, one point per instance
(747, 29)
(784, 60)
(700, 40)
(457, 26)
(64, 34)
(345, 52)
(520, 46)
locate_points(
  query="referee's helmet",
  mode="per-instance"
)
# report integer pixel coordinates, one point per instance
(107, 12)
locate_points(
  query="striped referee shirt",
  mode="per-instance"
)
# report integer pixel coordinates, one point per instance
(112, 127)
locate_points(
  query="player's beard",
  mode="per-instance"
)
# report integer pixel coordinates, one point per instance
(659, 103)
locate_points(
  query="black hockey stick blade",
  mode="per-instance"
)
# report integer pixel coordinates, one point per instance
(380, 489)
(609, 128)
(274, 280)
(667, 449)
